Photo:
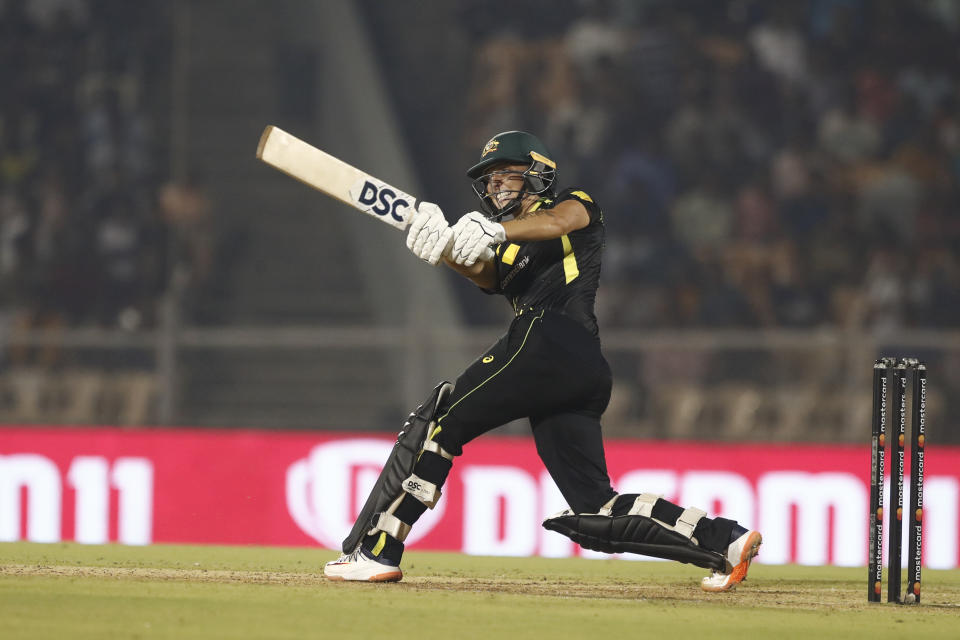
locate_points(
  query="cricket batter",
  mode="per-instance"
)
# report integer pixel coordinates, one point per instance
(541, 249)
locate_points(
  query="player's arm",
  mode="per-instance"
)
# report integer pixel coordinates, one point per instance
(474, 234)
(547, 224)
(542, 224)
(482, 273)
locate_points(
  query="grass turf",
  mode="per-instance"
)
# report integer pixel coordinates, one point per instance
(163, 591)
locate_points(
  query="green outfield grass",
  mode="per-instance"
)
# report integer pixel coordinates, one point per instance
(161, 591)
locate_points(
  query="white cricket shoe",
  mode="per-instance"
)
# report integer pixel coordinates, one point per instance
(361, 566)
(739, 555)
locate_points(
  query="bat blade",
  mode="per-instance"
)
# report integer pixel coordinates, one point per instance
(334, 177)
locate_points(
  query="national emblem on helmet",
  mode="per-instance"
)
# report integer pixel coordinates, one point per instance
(513, 148)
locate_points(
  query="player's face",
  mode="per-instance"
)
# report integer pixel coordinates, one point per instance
(505, 184)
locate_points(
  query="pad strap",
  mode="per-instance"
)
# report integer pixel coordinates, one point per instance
(688, 520)
(433, 447)
(393, 526)
(390, 523)
(424, 491)
(643, 505)
(607, 508)
(686, 523)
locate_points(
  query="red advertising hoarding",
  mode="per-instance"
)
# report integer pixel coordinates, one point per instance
(268, 488)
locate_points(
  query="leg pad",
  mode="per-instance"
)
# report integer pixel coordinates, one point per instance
(392, 485)
(633, 534)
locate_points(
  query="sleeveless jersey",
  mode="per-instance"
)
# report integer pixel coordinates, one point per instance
(560, 274)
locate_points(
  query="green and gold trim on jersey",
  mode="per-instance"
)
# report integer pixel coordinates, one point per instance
(570, 268)
(510, 253)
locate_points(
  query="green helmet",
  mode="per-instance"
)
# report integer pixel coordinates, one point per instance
(515, 147)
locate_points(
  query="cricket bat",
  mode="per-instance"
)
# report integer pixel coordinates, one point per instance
(335, 177)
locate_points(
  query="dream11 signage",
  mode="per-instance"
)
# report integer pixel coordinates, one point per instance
(295, 489)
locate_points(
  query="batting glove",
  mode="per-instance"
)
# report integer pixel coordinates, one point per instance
(473, 234)
(429, 234)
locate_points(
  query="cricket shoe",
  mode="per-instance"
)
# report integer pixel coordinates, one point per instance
(740, 554)
(360, 565)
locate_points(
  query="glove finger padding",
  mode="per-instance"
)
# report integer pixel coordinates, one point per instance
(479, 248)
(469, 240)
(433, 242)
(474, 234)
(422, 243)
(466, 243)
(440, 247)
(460, 232)
(428, 230)
(419, 219)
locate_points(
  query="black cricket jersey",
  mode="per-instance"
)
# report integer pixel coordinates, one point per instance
(560, 274)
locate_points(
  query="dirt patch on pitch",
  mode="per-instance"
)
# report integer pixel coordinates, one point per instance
(160, 575)
(763, 594)
(816, 596)
(679, 592)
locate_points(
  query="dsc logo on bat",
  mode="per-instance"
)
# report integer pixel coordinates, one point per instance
(378, 198)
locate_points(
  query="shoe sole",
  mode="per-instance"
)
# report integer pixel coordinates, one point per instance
(390, 576)
(739, 573)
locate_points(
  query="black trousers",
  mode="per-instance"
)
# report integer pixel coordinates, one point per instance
(547, 368)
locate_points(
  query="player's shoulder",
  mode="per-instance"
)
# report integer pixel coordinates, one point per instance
(576, 193)
(583, 197)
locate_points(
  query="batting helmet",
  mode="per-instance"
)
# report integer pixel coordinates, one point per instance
(514, 147)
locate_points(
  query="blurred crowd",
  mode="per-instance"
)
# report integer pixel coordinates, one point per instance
(761, 164)
(88, 218)
(786, 164)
